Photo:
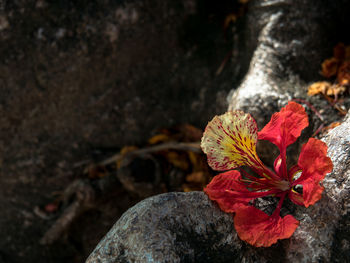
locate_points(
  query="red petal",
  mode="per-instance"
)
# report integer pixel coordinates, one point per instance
(285, 126)
(261, 230)
(315, 164)
(313, 160)
(224, 188)
(278, 164)
(312, 192)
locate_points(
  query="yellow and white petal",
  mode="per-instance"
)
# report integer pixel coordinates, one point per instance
(229, 140)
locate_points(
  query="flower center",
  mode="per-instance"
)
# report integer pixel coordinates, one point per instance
(283, 185)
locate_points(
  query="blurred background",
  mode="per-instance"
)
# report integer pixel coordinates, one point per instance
(84, 84)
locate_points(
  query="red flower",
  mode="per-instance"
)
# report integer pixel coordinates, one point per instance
(230, 141)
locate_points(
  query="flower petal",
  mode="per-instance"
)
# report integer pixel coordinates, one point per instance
(278, 164)
(285, 126)
(230, 191)
(313, 161)
(229, 140)
(315, 164)
(261, 230)
(312, 192)
(221, 189)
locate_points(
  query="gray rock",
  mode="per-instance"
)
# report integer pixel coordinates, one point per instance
(173, 227)
(188, 227)
(285, 60)
(323, 232)
(287, 42)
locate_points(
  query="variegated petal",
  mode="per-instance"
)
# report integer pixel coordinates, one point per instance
(229, 141)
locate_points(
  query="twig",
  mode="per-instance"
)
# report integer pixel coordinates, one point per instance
(223, 63)
(85, 197)
(180, 146)
(318, 130)
(62, 223)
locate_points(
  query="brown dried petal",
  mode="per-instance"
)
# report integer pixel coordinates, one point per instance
(330, 67)
(343, 75)
(319, 87)
(336, 90)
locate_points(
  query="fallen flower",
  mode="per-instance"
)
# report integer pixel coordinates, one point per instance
(230, 141)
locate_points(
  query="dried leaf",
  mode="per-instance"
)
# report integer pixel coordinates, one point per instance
(336, 90)
(127, 149)
(343, 76)
(330, 67)
(320, 87)
(193, 187)
(187, 188)
(196, 181)
(123, 151)
(194, 159)
(331, 126)
(176, 159)
(196, 177)
(325, 88)
(159, 138)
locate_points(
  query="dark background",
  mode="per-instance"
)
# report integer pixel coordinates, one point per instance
(81, 79)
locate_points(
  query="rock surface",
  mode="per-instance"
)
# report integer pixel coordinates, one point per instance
(188, 227)
(287, 39)
(320, 237)
(177, 227)
(173, 227)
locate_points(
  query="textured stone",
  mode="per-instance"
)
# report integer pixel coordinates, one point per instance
(322, 236)
(188, 227)
(287, 42)
(173, 227)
